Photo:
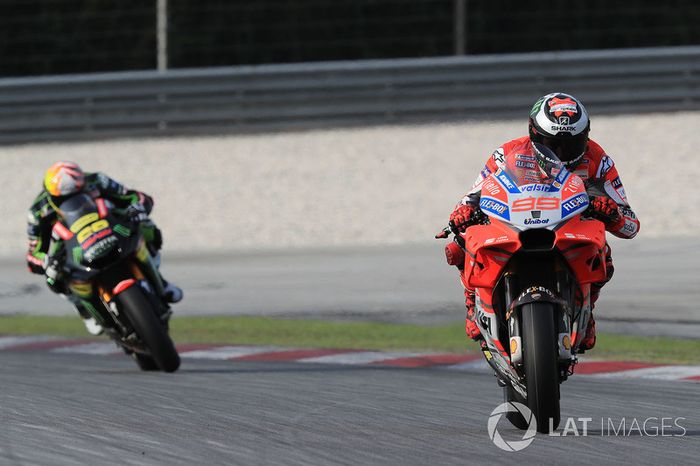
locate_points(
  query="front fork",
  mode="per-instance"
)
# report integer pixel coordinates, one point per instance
(92, 301)
(513, 316)
(149, 267)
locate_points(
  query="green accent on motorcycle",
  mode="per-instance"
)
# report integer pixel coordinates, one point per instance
(77, 254)
(148, 232)
(122, 230)
(93, 312)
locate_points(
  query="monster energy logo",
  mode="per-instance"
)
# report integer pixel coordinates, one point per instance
(122, 230)
(77, 254)
(536, 107)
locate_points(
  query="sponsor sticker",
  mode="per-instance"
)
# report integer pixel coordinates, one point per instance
(507, 182)
(561, 176)
(606, 163)
(498, 157)
(559, 106)
(574, 204)
(558, 128)
(495, 207)
(522, 164)
(536, 187)
(536, 221)
(491, 187)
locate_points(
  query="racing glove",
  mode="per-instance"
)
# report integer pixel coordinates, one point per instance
(136, 213)
(607, 211)
(35, 263)
(53, 272)
(461, 218)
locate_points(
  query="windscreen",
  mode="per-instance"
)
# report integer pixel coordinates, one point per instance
(543, 167)
(76, 207)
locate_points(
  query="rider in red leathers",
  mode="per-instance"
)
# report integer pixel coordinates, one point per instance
(560, 122)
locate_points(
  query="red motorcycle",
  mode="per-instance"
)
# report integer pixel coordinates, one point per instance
(531, 257)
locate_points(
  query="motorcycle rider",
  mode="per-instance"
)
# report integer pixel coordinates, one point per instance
(560, 122)
(64, 179)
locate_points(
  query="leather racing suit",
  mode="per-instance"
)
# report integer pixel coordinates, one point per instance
(594, 165)
(44, 245)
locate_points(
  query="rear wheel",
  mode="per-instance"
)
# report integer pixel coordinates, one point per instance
(150, 330)
(540, 358)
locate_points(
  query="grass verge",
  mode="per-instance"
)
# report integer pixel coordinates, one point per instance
(355, 335)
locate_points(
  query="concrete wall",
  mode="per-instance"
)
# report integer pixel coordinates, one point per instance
(379, 185)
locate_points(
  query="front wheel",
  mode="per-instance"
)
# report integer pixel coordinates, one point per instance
(145, 362)
(515, 418)
(540, 358)
(150, 330)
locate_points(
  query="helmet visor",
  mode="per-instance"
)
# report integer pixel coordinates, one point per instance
(567, 149)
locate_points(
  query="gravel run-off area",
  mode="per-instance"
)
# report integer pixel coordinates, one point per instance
(359, 186)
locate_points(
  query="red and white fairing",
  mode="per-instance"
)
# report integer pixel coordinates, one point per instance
(524, 204)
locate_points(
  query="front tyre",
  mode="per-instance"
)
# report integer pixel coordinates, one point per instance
(150, 330)
(515, 418)
(540, 358)
(145, 362)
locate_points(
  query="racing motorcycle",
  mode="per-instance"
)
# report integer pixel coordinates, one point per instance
(105, 252)
(531, 255)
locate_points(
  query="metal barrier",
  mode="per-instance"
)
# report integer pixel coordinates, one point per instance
(279, 97)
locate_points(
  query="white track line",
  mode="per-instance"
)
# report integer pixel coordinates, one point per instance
(660, 373)
(8, 342)
(229, 352)
(89, 348)
(364, 357)
(476, 365)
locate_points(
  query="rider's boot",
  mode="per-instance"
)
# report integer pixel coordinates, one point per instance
(90, 323)
(472, 330)
(171, 292)
(589, 339)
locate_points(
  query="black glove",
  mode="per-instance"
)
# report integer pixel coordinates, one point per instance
(157, 239)
(54, 274)
(136, 213)
(34, 265)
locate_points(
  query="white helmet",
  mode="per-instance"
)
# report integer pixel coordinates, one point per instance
(560, 122)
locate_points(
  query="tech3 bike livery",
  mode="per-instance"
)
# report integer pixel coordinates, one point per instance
(531, 256)
(106, 255)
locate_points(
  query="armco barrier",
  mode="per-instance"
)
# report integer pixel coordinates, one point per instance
(273, 97)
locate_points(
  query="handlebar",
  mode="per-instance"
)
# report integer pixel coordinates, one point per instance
(477, 218)
(444, 233)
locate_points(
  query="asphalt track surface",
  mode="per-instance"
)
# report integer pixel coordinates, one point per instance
(79, 409)
(654, 292)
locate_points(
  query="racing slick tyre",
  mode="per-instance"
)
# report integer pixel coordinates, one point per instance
(150, 330)
(145, 362)
(540, 358)
(515, 418)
